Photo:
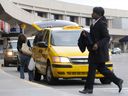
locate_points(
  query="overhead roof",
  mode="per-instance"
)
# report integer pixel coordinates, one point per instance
(13, 14)
(9, 12)
(124, 39)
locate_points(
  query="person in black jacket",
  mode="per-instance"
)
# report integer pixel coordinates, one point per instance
(99, 53)
(24, 58)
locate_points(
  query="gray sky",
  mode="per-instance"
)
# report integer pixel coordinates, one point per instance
(113, 4)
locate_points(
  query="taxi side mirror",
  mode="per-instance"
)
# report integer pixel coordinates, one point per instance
(42, 44)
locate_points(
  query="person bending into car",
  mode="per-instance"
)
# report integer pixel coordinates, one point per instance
(99, 53)
(24, 58)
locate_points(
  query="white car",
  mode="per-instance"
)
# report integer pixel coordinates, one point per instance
(116, 50)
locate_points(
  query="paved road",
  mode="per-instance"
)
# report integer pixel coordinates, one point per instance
(73, 86)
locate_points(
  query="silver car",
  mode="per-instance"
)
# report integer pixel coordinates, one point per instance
(10, 53)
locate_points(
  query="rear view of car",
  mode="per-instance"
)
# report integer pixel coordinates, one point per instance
(10, 53)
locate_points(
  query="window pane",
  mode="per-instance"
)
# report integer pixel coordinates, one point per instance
(65, 38)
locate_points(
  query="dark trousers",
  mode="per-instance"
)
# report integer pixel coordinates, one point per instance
(24, 61)
(103, 70)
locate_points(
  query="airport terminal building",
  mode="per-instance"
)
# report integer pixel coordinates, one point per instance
(25, 12)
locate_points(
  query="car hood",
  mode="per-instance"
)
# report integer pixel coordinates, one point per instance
(69, 51)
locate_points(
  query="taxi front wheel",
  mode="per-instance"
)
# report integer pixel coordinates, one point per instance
(49, 76)
(6, 63)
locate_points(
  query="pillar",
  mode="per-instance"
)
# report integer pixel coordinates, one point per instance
(124, 46)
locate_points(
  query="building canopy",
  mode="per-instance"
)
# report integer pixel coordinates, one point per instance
(124, 39)
(9, 11)
(14, 15)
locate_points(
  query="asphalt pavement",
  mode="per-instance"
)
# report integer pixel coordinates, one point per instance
(14, 86)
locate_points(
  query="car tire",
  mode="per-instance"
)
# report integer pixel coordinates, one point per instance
(49, 76)
(6, 64)
(105, 81)
(37, 76)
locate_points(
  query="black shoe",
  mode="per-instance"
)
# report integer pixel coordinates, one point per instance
(85, 91)
(120, 85)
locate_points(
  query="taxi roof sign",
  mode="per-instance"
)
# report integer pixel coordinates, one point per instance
(71, 27)
(53, 23)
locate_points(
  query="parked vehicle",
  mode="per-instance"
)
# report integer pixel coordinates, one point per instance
(116, 50)
(57, 55)
(10, 53)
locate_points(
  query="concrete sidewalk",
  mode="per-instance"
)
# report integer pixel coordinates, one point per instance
(13, 86)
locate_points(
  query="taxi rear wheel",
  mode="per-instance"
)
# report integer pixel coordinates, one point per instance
(49, 76)
(105, 81)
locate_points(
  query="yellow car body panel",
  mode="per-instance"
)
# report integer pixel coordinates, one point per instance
(72, 70)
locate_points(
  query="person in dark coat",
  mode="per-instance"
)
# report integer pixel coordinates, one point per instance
(84, 41)
(99, 53)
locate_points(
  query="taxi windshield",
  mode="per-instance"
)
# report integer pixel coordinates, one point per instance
(65, 38)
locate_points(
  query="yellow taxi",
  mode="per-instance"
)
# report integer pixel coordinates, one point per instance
(57, 55)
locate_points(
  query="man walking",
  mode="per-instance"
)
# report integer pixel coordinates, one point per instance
(99, 53)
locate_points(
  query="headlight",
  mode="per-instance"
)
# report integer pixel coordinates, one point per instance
(9, 53)
(60, 59)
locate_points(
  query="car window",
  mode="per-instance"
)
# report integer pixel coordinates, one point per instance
(38, 37)
(65, 38)
(31, 42)
(46, 36)
(12, 45)
(9, 45)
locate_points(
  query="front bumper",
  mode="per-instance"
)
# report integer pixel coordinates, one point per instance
(74, 71)
(11, 60)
